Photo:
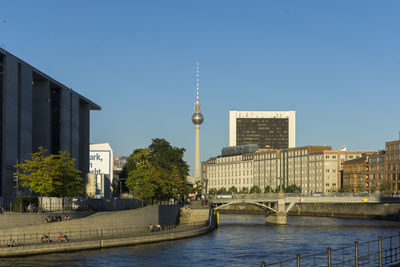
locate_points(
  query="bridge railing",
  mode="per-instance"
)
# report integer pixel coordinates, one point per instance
(378, 252)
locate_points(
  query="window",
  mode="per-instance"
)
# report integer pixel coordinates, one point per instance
(334, 157)
(327, 156)
(351, 156)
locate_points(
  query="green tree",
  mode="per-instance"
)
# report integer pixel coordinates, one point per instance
(212, 191)
(233, 190)
(255, 190)
(345, 189)
(244, 190)
(157, 172)
(50, 175)
(292, 189)
(141, 183)
(360, 186)
(222, 191)
(68, 179)
(267, 189)
(166, 157)
(37, 173)
(385, 186)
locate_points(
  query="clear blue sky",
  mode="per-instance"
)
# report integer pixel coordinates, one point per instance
(337, 63)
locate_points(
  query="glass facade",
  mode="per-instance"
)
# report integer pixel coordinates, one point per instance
(55, 120)
(270, 133)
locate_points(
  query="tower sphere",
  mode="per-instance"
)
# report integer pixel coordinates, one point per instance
(197, 118)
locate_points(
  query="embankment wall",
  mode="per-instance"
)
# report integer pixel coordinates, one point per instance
(349, 210)
(136, 219)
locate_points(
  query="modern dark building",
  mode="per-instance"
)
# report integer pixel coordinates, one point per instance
(267, 129)
(36, 110)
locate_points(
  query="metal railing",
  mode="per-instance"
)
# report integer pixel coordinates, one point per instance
(35, 239)
(378, 252)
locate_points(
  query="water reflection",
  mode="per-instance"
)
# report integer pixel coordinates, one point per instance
(242, 240)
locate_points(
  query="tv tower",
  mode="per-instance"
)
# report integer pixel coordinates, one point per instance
(197, 119)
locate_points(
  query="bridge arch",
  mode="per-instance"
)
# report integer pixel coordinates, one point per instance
(260, 205)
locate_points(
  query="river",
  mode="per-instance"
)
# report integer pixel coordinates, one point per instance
(241, 240)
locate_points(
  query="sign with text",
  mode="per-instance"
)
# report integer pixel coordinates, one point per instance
(100, 163)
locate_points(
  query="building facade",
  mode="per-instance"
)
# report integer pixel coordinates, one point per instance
(355, 174)
(229, 171)
(312, 168)
(36, 110)
(392, 158)
(267, 129)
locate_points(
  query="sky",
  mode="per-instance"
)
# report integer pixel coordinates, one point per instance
(336, 63)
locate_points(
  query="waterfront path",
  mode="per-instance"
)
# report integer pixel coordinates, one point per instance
(111, 240)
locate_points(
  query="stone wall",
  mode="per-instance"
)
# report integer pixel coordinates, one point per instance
(351, 210)
(137, 219)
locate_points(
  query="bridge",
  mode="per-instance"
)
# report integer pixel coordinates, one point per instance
(277, 205)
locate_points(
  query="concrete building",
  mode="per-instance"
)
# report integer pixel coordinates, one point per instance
(376, 175)
(229, 170)
(102, 165)
(312, 168)
(392, 159)
(36, 110)
(267, 129)
(355, 174)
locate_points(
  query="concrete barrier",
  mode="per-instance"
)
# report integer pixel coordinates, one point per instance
(178, 233)
(137, 219)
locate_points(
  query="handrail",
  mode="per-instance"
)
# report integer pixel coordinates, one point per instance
(375, 252)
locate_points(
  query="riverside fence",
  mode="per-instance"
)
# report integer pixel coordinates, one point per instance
(378, 252)
(30, 240)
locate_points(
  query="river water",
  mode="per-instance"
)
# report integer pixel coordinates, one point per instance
(241, 240)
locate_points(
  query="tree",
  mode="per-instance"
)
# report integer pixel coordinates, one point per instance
(255, 190)
(37, 173)
(345, 189)
(385, 186)
(360, 186)
(233, 190)
(267, 189)
(222, 191)
(157, 172)
(52, 175)
(212, 191)
(292, 189)
(244, 190)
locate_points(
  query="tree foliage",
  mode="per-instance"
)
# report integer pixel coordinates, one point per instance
(255, 189)
(50, 175)
(244, 190)
(222, 191)
(233, 190)
(157, 172)
(212, 191)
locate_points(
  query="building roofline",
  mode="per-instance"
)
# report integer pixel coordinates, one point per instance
(93, 106)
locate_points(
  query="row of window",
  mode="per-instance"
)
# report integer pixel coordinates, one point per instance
(231, 181)
(228, 174)
(392, 147)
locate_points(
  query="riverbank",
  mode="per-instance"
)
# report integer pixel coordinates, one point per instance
(180, 232)
(385, 211)
(108, 229)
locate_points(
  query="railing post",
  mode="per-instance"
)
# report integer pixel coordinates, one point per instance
(329, 257)
(263, 264)
(380, 250)
(356, 253)
(298, 260)
(390, 239)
